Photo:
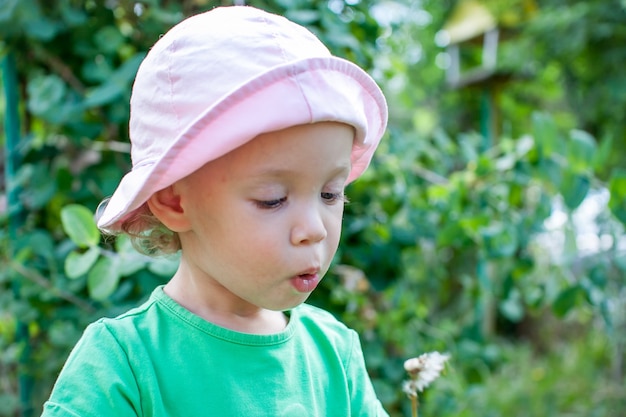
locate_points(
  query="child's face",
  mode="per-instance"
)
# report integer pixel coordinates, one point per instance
(263, 221)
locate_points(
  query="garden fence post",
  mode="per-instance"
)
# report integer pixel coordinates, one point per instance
(15, 217)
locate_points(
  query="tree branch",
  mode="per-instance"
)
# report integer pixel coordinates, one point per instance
(40, 280)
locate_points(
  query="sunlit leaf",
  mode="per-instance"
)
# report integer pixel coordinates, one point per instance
(78, 264)
(80, 226)
(103, 279)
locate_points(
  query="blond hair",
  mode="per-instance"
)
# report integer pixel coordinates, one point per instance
(147, 234)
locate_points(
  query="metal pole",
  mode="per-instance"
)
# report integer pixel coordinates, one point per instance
(15, 216)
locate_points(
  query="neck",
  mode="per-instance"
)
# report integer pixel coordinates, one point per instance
(212, 302)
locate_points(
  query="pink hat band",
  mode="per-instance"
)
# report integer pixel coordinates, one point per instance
(217, 80)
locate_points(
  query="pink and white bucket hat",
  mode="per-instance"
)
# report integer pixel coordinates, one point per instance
(217, 80)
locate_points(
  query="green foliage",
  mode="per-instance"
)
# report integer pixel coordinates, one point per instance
(447, 244)
(458, 256)
(567, 381)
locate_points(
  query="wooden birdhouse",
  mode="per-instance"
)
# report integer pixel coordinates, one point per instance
(472, 35)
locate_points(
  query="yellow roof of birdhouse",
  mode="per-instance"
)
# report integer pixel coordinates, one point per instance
(472, 18)
(469, 19)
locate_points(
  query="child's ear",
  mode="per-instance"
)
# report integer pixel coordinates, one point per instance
(165, 205)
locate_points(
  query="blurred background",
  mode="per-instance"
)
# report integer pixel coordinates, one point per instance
(490, 225)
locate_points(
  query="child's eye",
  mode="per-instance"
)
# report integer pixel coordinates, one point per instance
(333, 197)
(270, 204)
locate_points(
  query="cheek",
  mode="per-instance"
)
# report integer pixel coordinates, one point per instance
(334, 226)
(251, 237)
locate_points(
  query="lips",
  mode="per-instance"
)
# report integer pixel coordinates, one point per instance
(307, 281)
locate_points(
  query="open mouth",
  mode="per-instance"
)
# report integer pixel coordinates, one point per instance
(305, 283)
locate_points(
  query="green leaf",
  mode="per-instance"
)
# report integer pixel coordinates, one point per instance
(512, 308)
(7, 10)
(550, 171)
(38, 242)
(581, 150)
(604, 153)
(78, 264)
(546, 133)
(72, 16)
(303, 17)
(566, 300)
(45, 94)
(117, 85)
(103, 279)
(574, 188)
(42, 28)
(108, 39)
(617, 188)
(80, 226)
(599, 275)
(39, 187)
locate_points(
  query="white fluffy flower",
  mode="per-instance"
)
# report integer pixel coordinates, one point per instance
(423, 370)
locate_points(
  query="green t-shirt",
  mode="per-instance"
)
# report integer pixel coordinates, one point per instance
(161, 360)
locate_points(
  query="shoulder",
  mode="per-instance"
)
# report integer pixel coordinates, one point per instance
(324, 327)
(312, 315)
(108, 337)
(141, 319)
(98, 376)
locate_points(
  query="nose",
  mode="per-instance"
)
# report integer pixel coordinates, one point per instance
(308, 226)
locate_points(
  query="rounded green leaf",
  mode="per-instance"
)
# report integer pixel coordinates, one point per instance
(103, 279)
(80, 226)
(78, 264)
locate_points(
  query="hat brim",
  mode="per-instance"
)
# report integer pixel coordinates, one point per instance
(301, 92)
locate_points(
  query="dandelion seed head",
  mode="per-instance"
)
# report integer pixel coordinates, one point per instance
(423, 370)
(409, 388)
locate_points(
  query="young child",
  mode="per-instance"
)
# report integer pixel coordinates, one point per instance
(245, 131)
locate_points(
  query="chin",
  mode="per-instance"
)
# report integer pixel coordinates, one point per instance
(289, 305)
